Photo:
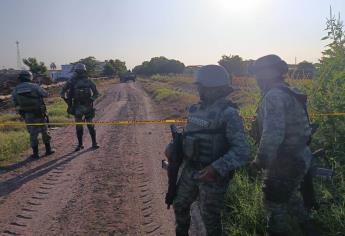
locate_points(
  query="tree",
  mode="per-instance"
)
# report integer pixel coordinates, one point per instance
(114, 67)
(233, 64)
(305, 70)
(91, 65)
(328, 97)
(53, 66)
(35, 67)
(159, 65)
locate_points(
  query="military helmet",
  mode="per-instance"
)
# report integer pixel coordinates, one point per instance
(25, 75)
(270, 62)
(79, 67)
(213, 76)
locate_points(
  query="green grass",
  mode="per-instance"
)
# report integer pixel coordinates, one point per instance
(57, 111)
(14, 140)
(172, 101)
(244, 214)
(12, 144)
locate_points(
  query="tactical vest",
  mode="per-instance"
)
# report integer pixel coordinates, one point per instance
(28, 100)
(82, 92)
(301, 99)
(205, 134)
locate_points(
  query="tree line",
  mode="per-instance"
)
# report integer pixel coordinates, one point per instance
(234, 64)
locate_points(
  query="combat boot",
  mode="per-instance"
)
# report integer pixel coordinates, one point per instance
(80, 142)
(49, 149)
(93, 139)
(35, 152)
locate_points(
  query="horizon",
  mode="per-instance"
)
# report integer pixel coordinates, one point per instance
(193, 32)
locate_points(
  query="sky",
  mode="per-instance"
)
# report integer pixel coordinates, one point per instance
(196, 32)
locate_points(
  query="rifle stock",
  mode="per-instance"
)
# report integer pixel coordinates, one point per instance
(173, 165)
(307, 185)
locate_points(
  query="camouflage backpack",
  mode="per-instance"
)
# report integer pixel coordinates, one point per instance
(28, 100)
(82, 93)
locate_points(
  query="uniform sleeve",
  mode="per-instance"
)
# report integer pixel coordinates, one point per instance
(273, 127)
(238, 154)
(14, 98)
(64, 89)
(94, 90)
(42, 92)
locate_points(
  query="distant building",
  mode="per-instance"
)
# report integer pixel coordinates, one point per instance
(65, 73)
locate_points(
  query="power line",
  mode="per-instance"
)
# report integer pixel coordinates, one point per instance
(19, 60)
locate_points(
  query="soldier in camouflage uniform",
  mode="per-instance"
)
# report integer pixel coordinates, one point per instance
(214, 146)
(81, 92)
(282, 130)
(28, 100)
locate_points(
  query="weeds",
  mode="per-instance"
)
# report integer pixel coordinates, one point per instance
(15, 139)
(244, 214)
(173, 101)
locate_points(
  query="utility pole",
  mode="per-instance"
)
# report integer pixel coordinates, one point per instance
(19, 60)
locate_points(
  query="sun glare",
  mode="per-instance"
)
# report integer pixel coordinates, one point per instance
(240, 6)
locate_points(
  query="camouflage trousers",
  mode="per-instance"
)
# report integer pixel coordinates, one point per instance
(211, 201)
(34, 131)
(82, 114)
(284, 205)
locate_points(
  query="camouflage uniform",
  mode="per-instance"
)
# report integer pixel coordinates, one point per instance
(283, 130)
(82, 109)
(28, 99)
(226, 150)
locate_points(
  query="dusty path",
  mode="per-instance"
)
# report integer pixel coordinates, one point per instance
(115, 190)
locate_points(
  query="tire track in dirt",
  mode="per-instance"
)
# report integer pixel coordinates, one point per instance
(115, 190)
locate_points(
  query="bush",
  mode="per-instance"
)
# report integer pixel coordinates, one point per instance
(328, 97)
(244, 214)
(159, 65)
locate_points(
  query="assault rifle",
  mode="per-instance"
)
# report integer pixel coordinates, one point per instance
(46, 116)
(173, 165)
(69, 102)
(307, 186)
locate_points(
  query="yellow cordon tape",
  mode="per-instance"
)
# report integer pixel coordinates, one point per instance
(327, 114)
(129, 122)
(138, 122)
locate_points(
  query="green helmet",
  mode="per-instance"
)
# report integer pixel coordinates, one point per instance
(211, 76)
(80, 67)
(25, 76)
(270, 62)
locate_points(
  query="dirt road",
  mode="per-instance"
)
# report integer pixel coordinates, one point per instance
(115, 190)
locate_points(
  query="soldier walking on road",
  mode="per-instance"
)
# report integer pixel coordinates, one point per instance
(28, 100)
(282, 130)
(214, 146)
(80, 93)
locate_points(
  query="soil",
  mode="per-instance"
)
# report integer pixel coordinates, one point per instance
(118, 189)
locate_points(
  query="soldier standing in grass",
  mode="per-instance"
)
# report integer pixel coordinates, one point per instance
(28, 100)
(81, 92)
(282, 130)
(214, 146)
